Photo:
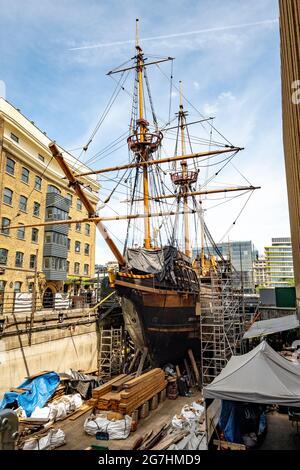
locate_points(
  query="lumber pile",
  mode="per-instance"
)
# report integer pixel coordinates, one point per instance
(125, 393)
(59, 392)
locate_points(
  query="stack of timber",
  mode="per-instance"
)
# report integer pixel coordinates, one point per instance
(59, 392)
(125, 394)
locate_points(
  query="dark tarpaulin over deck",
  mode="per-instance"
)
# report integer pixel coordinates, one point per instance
(160, 261)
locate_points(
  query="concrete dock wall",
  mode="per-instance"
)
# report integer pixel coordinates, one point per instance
(76, 351)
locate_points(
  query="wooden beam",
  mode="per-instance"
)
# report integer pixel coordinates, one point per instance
(201, 193)
(141, 363)
(145, 64)
(160, 161)
(74, 183)
(98, 220)
(194, 365)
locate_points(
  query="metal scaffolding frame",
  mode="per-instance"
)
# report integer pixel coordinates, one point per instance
(221, 320)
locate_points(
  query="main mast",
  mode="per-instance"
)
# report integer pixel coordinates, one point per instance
(142, 123)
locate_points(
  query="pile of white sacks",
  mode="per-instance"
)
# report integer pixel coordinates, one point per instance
(191, 419)
(55, 411)
(190, 414)
(115, 428)
(54, 438)
(59, 409)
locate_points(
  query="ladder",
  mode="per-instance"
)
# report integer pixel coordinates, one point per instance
(110, 352)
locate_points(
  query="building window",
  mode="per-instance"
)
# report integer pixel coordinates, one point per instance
(19, 259)
(25, 175)
(14, 137)
(53, 213)
(48, 237)
(87, 229)
(40, 157)
(23, 203)
(76, 268)
(21, 232)
(10, 166)
(77, 246)
(53, 189)
(17, 286)
(32, 261)
(38, 183)
(86, 249)
(78, 227)
(5, 226)
(3, 256)
(7, 196)
(69, 197)
(47, 263)
(34, 235)
(68, 266)
(79, 205)
(86, 269)
(36, 209)
(69, 244)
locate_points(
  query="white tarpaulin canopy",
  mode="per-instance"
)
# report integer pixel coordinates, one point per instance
(274, 325)
(260, 376)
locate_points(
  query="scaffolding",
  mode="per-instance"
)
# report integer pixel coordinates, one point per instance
(221, 320)
(110, 352)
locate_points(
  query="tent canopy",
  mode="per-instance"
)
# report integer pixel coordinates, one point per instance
(274, 325)
(260, 376)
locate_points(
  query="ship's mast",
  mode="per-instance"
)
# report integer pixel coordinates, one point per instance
(142, 124)
(184, 186)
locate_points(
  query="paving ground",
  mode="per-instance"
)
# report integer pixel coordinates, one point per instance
(77, 439)
(281, 434)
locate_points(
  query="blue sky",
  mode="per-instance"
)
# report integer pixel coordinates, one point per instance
(232, 73)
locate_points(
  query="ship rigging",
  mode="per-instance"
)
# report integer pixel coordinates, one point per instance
(158, 281)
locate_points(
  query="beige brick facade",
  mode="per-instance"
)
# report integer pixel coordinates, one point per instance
(25, 157)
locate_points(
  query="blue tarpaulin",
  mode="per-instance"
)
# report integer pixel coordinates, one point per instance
(40, 389)
(238, 418)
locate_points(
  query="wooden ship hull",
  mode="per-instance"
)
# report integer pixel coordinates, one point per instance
(161, 319)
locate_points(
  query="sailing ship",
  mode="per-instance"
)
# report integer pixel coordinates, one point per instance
(158, 282)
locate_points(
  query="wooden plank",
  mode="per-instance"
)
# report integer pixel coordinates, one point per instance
(138, 380)
(194, 365)
(142, 362)
(133, 361)
(128, 392)
(104, 388)
(170, 439)
(155, 436)
(30, 377)
(18, 390)
(228, 445)
(34, 421)
(133, 406)
(81, 411)
(117, 386)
